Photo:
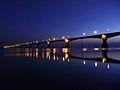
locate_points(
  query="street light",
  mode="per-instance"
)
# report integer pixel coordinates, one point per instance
(66, 40)
(95, 32)
(104, 36)
(63, 37)
(84, 34)
(53, 38)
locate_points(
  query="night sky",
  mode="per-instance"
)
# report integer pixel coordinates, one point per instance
(28, 20)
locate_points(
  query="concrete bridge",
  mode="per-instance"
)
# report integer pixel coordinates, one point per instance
(104, 37)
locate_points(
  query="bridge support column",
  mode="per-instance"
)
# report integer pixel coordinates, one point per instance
(30, 45)
(104, 53)
(104, 44)
(48, 44)
(67, 45)
(37, 45)
(104, 56)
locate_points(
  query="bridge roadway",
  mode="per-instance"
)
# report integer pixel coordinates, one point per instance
(104, 37)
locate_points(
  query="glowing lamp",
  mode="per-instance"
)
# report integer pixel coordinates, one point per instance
(63, 37)
(48, 42)
(66, 40)
(104, 36)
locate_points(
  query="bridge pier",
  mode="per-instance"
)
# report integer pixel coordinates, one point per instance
(67, 41)
(104, 45)
(104, 56)
(67, 45)
(37, 45)
(48, 44)
(30, 45)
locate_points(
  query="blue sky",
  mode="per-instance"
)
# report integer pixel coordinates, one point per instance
(28, 20)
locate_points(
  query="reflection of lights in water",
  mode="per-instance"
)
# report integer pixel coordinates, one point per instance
(48, 53)
(66, 55)
(31, 50)
(18, 54)
(96, 64)
(96, 49)
(63, 59)
(36, 55)
(31, 54)
(53, 57)
(84, 49)
(104, 59)
(47, 49)
(42, 49)
(27, 54)
(37, 49)
(84, 62)
(68, 60)
(108, 66)
(27, 50)
(49, 57)
(42, 54)
(54, 50)
(57, 58)
(65, 50)
(104, 48)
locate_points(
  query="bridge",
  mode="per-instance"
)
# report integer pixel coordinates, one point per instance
(104, 37)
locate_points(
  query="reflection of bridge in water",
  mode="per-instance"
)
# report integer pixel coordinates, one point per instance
(103, 37)
(63, 54)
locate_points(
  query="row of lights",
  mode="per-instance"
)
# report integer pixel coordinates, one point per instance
(63, 37)
(96, 32)
(16, 45)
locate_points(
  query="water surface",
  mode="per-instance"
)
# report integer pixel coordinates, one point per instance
(60, 68)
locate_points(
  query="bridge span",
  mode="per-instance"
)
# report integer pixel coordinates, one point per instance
(104, 37)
